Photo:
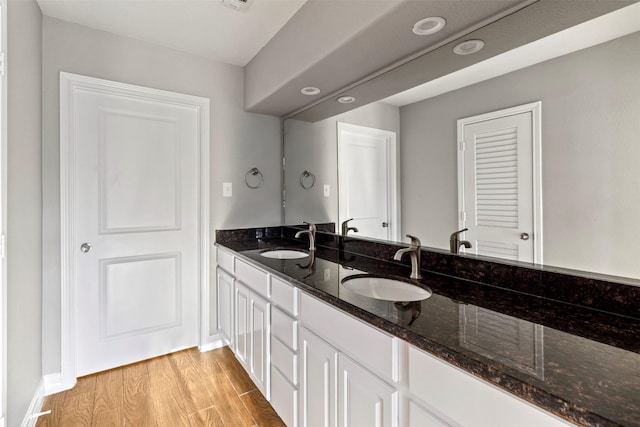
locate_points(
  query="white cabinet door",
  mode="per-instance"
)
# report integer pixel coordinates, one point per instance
(259, 319)
(225, 305)
(284, 398)
(363, 398)
(241, 317)
(318, 392)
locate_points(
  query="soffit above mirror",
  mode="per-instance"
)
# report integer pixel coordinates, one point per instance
(331, 44)
(524, 26)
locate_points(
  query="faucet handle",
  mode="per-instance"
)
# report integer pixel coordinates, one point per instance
(312, 226)
(414, 240)
(456, 233)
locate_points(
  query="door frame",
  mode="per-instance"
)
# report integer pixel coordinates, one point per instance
(535, 108)
(3, 213)
(69, 83)
(393, 181)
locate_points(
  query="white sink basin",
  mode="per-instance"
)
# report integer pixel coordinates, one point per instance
(385, 289)
(284, 254)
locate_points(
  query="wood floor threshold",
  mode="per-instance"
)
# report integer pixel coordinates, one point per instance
(183, 389)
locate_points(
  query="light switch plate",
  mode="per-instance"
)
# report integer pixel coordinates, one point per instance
(327, 190)
(227, 189)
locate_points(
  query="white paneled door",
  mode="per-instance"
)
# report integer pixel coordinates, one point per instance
(499, 183)
(367, 182)
(135, 245)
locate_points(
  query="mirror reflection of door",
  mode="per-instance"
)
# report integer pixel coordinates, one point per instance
(499, 183)
(367, 181)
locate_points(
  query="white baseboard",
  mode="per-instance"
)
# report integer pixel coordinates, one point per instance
(54, 383)
(31, 417)
(212, 342)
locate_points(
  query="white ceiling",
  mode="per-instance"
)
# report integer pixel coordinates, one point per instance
(201, 27)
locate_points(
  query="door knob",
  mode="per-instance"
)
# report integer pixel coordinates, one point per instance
(524, 236)
(85, 247)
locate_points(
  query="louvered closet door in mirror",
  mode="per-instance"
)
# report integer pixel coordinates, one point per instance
(497, 183)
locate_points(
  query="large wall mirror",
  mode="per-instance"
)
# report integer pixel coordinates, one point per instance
(590, 147)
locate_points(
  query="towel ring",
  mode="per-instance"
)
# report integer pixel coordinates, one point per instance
(304, 176)
(253, 172)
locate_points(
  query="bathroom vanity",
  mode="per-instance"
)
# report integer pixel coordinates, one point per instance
(473, 353)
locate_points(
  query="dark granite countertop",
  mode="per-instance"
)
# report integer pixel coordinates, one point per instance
(579, 363)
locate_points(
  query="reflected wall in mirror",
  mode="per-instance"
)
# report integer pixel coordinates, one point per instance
(590, 155)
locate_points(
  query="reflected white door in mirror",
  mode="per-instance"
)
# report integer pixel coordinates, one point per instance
(367, 181)
(499, 183)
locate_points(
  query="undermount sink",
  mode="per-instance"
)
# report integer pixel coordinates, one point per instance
(284, 254)
(385, 289)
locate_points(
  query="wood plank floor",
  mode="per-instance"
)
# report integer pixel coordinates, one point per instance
(187, 388)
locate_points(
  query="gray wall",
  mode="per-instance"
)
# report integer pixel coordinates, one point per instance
(590, 155)
(24, 238)
(314, 147)
(239, 140)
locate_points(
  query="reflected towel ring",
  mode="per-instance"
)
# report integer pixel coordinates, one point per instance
(305, 175)
(253, 172)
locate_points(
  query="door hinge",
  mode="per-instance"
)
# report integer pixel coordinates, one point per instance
(463, 216)
(2, 64)
(461, 145)
(3, 249)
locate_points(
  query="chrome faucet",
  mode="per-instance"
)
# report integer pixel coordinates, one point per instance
(346, 228)
(414, 252)
(312, 235)
(455, 242)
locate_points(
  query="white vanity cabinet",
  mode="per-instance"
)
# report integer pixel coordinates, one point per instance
(319, 366)
(335, 390)
(244, 315)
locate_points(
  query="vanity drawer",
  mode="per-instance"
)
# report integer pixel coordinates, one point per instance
(468, 400)
(225, 261)
(284, 328)
(353, 337)
(285, 296)
(285, 360)
(254, 278)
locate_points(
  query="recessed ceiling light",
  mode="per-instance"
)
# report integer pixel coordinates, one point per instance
(468, 46)
(429, 25)
(346, 99)
(310, 90)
